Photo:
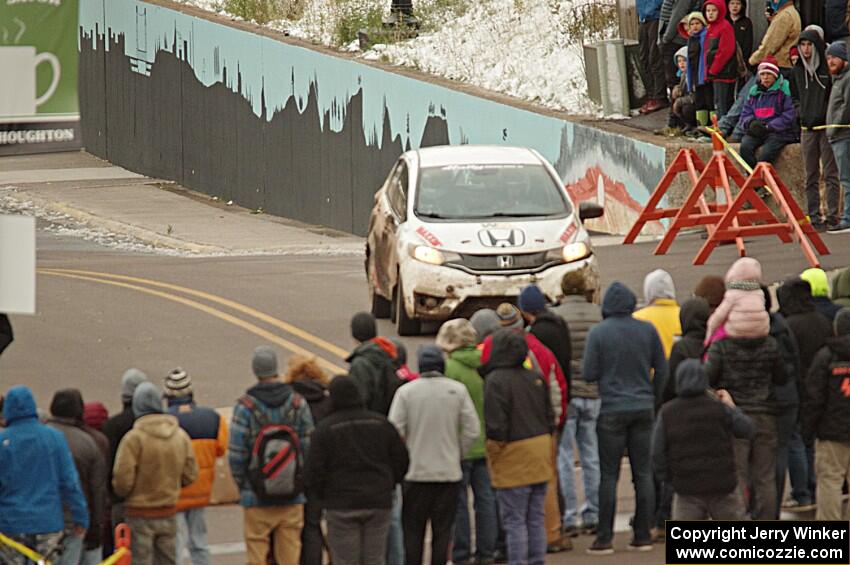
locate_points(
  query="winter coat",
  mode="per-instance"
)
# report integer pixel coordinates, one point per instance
(208, 432)
(462, 366)
(437, 420)
(356, 459)
(781, 36)
(743, 27)
(115, 429)
(622, 353)
(693, 443)
(826, 410)
(720, 51)
(838, 111)
(553, 332)
(7, 336)
(695, 74)
(580, 316)
(693, 317)
(518, 417)
(91, 468)
(663, 314)
(369, 365)
(37, 472)
(154, 461)
(811, 13)
(835, 20)
(788, 393)
(750, 369)
(774, 107)
(275, 401)
(317, 397)
(680, 10)
(841, 289)
(648, 10)
(812, 94)
(742, 312)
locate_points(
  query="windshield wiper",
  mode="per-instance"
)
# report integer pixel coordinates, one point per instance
(434, 215)
(507, 215)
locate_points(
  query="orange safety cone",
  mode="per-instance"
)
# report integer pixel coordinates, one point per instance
(122, 541)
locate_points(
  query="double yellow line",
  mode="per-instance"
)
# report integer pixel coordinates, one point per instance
(178, 294)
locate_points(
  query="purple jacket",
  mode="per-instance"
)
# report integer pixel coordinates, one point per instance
(774, 107)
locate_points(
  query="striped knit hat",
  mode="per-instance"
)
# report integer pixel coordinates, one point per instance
(769, 65)
(178, 383)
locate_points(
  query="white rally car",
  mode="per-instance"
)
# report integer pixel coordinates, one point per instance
(459, 228)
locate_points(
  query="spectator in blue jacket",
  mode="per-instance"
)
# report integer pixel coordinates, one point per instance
(37, 476)
(625, 357)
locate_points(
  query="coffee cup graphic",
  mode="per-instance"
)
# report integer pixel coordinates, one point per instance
(18, 66)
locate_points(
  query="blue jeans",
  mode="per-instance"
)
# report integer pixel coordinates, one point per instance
(523, 517)
(786, 424)
(618, 431)
(754, 150)
(841, 149)
(582, 415)
(192, 532)
(395, 538)
(475, 475)
(801, 470)
(73, 550)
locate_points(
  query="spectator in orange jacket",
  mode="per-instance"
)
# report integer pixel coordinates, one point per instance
(208, 432)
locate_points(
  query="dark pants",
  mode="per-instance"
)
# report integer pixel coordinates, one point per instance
(786, 423)
(817, 154)
(477, 477)
(704, 97)
(312, 539)
(755, 460)
(724, 97)
(524, 515)
(422, 502)
(704, 507)
(801, 468)
(668, 50)
(770, 148)
(650, 59)
(617, 432)
(358, 537)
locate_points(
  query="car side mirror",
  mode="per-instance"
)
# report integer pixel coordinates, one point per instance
(589, 210)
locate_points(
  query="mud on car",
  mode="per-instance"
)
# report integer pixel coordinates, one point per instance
(459, 228)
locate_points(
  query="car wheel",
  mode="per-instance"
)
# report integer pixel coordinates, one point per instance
(381, 307)
(405, 325)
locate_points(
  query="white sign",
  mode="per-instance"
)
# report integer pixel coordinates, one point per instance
(17, 264)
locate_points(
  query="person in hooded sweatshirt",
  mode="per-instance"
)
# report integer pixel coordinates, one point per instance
(37, 478)
(693, 447)
(621, 355)
(720, 56)
(661, 310)
(811, 329)
(371, 363)
(437, 420)
(550, 329)
(278, 403)
(820, 292)
(743, 26)
(826, 417)
(519, 425)
(66, 411)
(154, 462)
(810, 87)
(356, 459)
(841, 289)
(694, 318)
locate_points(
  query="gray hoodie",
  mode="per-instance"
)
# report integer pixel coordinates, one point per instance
(838, 110)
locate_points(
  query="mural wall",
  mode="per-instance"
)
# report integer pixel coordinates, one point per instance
(300, 133)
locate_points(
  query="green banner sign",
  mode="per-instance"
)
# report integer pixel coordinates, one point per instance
(39, 110)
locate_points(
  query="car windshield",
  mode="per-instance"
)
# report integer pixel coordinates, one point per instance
(488, 191)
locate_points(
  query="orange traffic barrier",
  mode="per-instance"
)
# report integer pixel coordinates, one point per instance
(122, 542)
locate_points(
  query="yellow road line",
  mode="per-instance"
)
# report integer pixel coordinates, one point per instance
(271, 320)
(256, 330)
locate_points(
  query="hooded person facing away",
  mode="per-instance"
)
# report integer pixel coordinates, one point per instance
(661, 310)
(694, 318)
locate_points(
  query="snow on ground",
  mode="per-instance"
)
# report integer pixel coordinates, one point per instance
(522, 48)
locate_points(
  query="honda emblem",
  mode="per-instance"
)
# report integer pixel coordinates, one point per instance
(505, 261)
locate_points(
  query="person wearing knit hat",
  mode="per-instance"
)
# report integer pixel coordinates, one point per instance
(437, 420)
(264, 363)
(485, 322)
(712, 288)
(693, 28)
(768, 116)
(826, 417)
(95, 414)
(372, 360)
(178, 383)
(509, 316)
(363, 327)
(838, 114)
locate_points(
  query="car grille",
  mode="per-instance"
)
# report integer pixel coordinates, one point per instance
(519, 263)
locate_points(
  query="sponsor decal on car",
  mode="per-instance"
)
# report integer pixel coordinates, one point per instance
(429, 237)
(568, 233)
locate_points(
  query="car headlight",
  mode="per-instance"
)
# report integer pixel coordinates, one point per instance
(428, 255)
(569, 253)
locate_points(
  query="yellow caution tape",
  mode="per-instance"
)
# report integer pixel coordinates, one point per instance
(818, 128)
(115, 557)
(23, 550)
(731, 151)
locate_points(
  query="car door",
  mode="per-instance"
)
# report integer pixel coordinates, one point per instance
(388, 214)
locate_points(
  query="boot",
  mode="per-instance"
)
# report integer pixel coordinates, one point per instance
(702, 118)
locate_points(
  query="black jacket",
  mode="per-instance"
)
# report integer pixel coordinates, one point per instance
(812, 95)
(115, 429)
(316, 396)
(694, 318)
(811, 12)
(743, 27)
(356, 458)
(788, 393)
(826, 411)
(523, 392)
(6, 334)
(835, 14)
(827, 307)
(553, 332)
(750, 369)
(371, 365)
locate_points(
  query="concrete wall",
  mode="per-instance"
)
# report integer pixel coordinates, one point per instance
(300, 132)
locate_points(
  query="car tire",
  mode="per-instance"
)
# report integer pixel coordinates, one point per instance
(405, 326)
(381, 307)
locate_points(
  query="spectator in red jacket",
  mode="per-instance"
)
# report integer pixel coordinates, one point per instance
(721, 62)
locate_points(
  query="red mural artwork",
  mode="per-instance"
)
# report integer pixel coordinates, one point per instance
(621, 210)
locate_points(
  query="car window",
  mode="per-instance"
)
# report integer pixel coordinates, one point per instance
(398, 191)
(486, 191)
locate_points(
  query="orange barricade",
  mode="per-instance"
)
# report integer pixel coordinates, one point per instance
(122, 541)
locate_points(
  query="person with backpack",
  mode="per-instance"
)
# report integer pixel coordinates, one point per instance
(356, 459)
(373, 364)
(270, 422)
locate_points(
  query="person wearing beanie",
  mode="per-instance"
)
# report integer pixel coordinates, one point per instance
(208, 432)
(356, 460)
(154, 461)
(661, 310)
(819, 283)
(768, 117)
(781, 34)
(38, 478)
(711, 288)
(693, 29)
(509, 316)
(437, 420)
(269, 402)
(742, 312)
(580, 315)
(625, 357)
(373, 364)
(552, 331)
(66, 416)
(838, 114)
(693, 448)
(458, 340)
(95, 416)
(826, 418)
(485, 322)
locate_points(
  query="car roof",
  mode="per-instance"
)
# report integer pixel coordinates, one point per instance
(444, 155)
